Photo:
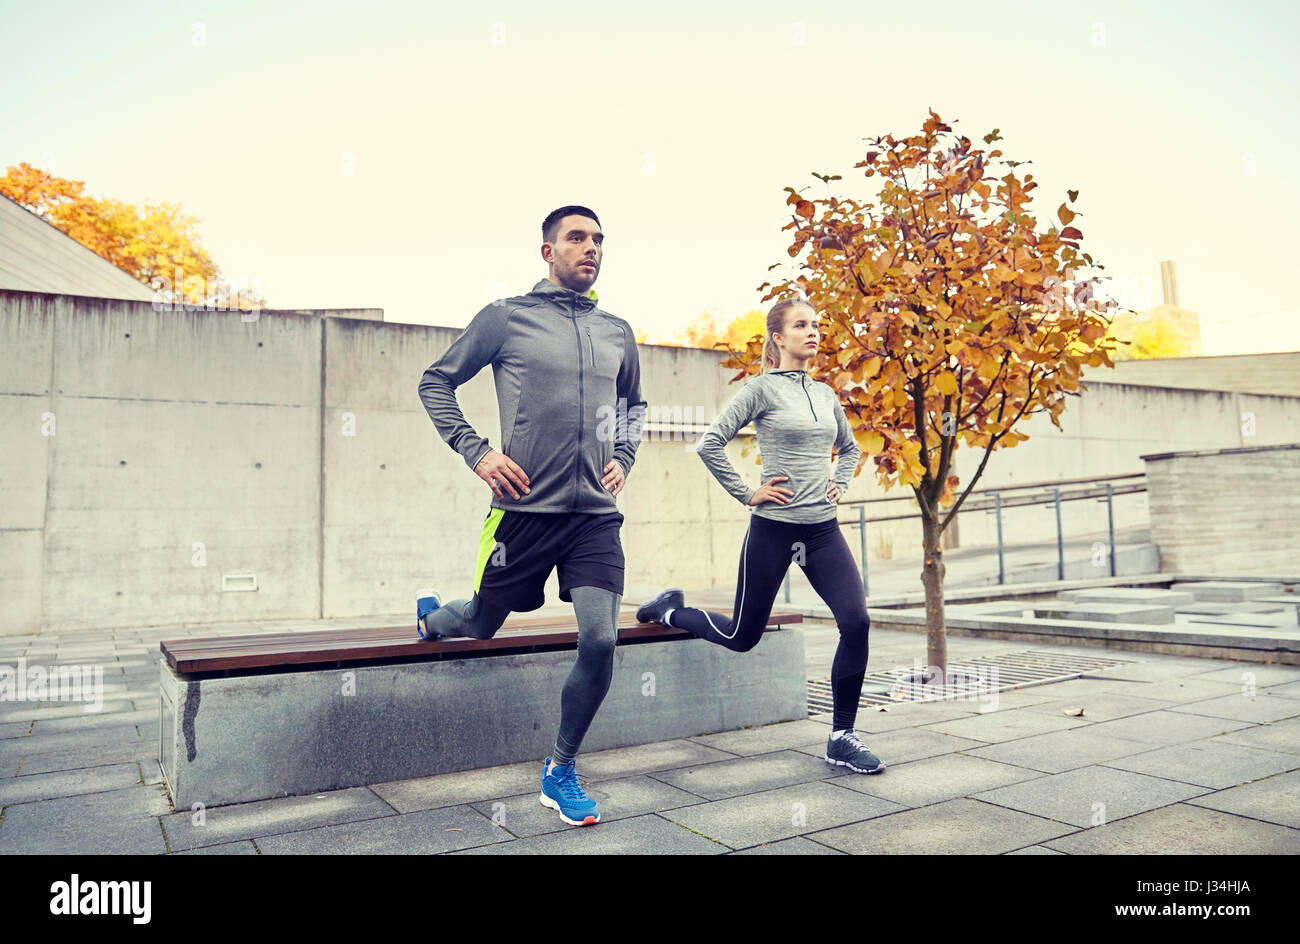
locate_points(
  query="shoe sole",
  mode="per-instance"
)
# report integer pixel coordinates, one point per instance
(551, 804)
(640, 618)
(857, 770)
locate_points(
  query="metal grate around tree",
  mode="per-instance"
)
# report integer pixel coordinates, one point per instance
(966, 679)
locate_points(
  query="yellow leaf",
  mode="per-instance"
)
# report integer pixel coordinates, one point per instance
(946, 383)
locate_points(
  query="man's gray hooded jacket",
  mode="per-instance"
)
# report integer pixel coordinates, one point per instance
(568, 389)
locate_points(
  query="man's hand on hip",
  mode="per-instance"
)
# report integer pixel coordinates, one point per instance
(501, 472)
(614, 478)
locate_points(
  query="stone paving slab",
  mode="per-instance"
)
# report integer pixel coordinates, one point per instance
(1259, 673)
(797, 845)
(744, 775)
(1155, 671)
(1090, 796)
(1286, 689)
(69, 783)
(1180, 690)
(1281, 736)
(1059, 751)
(781, 813)
(1167, 727)
(524, 815)
(954, 827)
(1209, 763)
(1103, 707)
(12, 749)
(1017, 698)
(903, 745)
(1257, 708)
(1035, 850)
(427, 832)
(465, 786)
(267, 817)
(934, 779)
(244, 847)
(1007, 725)
(650, 834)
(1072, 688)
(80, 759)
(115, 822)
(1182, 829)
(765, 739)
(14, 729)
(90, 720)
(29, 711)
(645, 758)
(1273, 799)
(910, 714)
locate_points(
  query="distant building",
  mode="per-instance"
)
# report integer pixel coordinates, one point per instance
(36, 256)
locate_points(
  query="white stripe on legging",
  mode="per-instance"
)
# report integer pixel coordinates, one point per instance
(744, 580)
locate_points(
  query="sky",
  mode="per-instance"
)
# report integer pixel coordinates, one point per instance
(403, 155)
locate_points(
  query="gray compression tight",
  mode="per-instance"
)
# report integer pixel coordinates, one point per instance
(589, 680)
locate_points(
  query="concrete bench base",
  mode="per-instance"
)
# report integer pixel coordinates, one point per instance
(232, 739)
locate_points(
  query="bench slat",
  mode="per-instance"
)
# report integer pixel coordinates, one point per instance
(317, 647)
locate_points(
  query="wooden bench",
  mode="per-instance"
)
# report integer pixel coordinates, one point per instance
(253, 717)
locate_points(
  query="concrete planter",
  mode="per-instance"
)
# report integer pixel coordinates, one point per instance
(231, 739)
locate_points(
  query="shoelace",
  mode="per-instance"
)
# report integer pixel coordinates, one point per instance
(569, 782)
(852, 739)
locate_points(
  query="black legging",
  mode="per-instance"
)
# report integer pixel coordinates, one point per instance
(588, 683)
(769, 549)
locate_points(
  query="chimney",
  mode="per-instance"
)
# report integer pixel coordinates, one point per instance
(1168, 283)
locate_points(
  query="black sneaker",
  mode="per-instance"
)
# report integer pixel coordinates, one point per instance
(848, 751)
(654, 611)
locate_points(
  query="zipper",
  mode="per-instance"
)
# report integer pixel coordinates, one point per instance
(591, 345)
(581, 413)
(809, 396)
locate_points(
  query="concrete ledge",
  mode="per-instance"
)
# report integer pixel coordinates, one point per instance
(252, 737)
(1211, 642)
(1095, 611)
(1128, 595)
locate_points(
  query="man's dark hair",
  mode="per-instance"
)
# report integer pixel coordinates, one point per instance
(552, 221)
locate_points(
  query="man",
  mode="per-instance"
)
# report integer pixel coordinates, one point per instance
(562, 367)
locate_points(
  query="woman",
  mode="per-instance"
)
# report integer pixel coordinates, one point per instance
(798, 420)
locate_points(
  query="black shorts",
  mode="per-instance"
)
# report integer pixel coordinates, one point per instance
(518, 549)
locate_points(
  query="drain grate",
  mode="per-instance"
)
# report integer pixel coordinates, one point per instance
(967, 679)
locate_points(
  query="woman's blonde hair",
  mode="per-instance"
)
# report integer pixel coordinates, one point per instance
(776, 325)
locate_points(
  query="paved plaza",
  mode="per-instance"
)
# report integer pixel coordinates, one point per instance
(1170, 755)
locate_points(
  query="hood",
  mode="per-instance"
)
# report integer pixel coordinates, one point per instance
(559, 295)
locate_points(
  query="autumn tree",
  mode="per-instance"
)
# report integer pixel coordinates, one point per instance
(155, 243)
(948, 316)
(708, 331)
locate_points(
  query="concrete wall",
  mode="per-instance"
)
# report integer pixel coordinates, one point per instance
(1273, 373)
(1226, 511)
(144, 455)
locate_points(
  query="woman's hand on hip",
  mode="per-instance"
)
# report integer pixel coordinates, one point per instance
(769, 491)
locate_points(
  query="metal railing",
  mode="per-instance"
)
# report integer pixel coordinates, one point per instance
(991, 500)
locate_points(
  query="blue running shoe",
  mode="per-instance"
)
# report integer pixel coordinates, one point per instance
(426, 601)
(561, 791)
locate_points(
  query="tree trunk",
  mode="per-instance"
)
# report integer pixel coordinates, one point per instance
(932, 578)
